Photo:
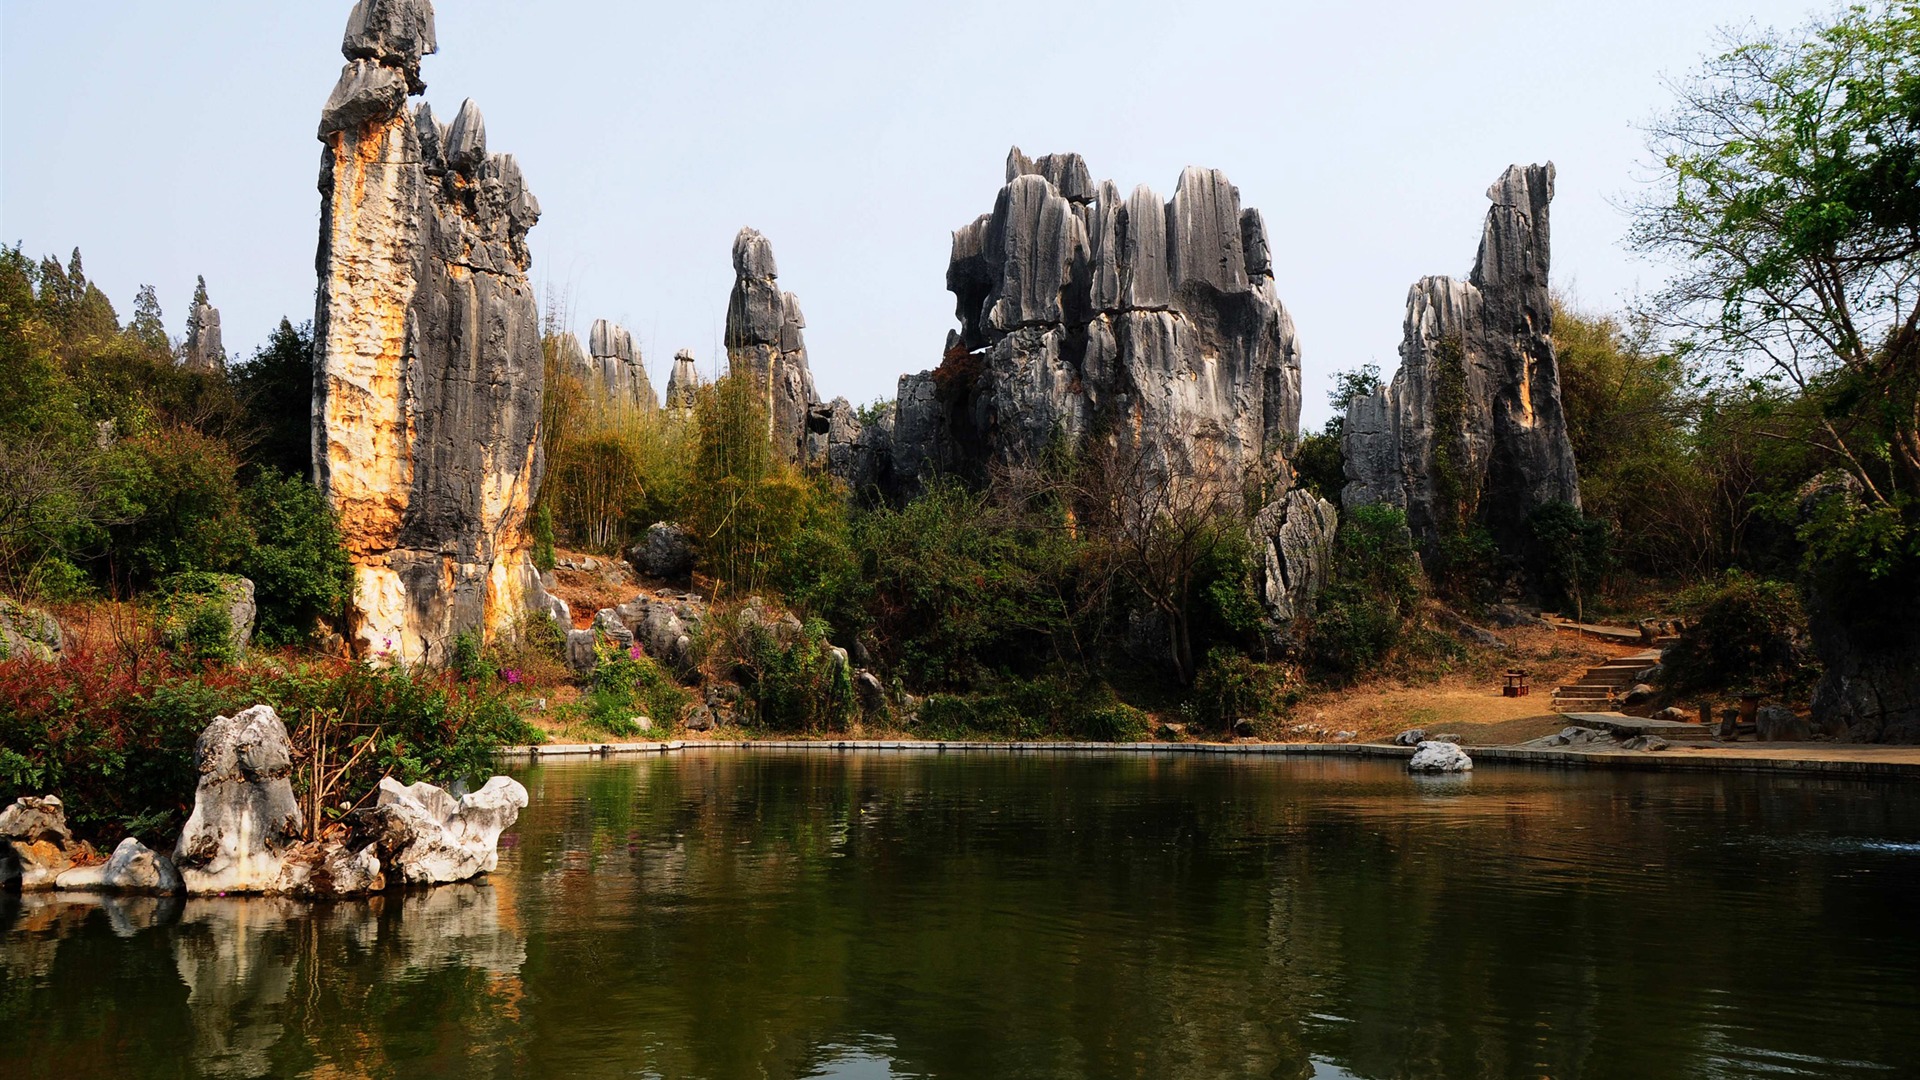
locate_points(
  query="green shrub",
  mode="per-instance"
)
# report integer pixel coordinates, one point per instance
(194, 616)
(1467, 567)
(299, 568)
(1568, 553)
(175, 493)
(543, 538)
(1232, 687)
(628, 684)
(1032, 709)
(1745, 634)
(798, 685)
(469, 662)
(1373, 591)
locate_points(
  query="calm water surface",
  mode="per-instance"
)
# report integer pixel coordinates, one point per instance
(724, 914)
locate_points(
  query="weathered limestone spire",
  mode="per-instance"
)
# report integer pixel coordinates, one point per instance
(619, 368)
(1470, 431)
(684, 382)
(428, 375)
(203, 350)
(766, 343)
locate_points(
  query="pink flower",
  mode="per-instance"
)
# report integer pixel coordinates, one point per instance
(513, 676)
(635, 652)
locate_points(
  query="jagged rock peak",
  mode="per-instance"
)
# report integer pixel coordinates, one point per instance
(766, 343)
(611, 340)
(430, 371)
(1066, 172)
(683, 383)
(1471, 431)
(392, 33)
(753, 256)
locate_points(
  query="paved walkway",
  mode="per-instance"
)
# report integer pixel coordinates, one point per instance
(1823, 759)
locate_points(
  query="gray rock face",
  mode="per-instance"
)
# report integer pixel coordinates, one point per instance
(428, 390)
(1867, 640)
(617, 366)
(1150, 322)
(26, 631)
(665, 629)
(1297, 532)
(766, 343)
(135, 868)
(245, 819)
(683, 383)
(665, 552)
(203, 350)
(1471, 428)
(423, 835)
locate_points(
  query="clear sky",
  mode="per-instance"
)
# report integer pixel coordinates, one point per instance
(168, 140)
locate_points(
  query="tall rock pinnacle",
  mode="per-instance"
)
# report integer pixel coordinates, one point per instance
(203, 350)
(429, 375)
(1471, 432)
(618, 367)
(766, 343)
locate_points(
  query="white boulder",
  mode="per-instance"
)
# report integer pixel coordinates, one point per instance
(245, 818)
(425, 836)
(1440, 757)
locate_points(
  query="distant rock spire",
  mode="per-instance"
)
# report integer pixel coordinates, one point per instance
(618, 366)
(203, 350)
(683, 385)
(766, 343)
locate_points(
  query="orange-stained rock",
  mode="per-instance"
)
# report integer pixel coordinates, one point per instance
(427, 399)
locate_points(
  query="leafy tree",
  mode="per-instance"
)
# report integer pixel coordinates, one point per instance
(296, 560)
(1373, 590)
(147, 325)
(1568, 554)
(275, 388)
(1791, 191)
(1320, 461)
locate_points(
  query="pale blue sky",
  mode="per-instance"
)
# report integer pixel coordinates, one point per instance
(168, 140)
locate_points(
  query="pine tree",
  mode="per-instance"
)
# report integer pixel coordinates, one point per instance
(147, 326)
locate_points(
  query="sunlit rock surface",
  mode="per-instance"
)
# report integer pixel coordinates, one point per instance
(428, 390)
(1083, 312)
(245, 818)
(1471, 431)
(424, 835)
(618, 369)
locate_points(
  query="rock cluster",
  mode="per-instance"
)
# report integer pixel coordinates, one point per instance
(1084, 311)
(27, 631)
(427, 342)
(1471, 431)
(247, 831)
(766, 344)
(1151, 324)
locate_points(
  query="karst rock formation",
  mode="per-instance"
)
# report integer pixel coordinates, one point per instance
(766, 343)
(617, 366)
(1084, 314)
(429, 373)
(1470, 431)
(203, 351)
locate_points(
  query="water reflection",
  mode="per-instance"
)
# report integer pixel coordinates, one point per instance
(786, 915)
(247, 987)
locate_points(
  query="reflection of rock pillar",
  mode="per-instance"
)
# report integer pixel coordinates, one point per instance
(236, 959)
(429, 375)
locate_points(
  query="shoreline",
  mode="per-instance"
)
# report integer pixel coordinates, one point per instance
(1827, 760)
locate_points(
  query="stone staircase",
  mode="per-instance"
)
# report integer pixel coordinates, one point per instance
(1602, 688)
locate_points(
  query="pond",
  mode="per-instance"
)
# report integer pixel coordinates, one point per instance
(727, 914)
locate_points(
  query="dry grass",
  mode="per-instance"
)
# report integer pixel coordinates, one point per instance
(1469, 702)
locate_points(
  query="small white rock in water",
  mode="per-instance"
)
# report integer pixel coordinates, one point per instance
(1441, 757)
